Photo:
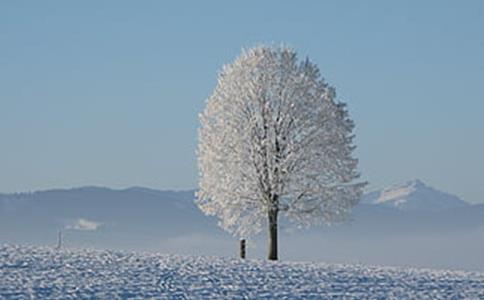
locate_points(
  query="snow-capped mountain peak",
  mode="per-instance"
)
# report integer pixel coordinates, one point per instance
(413, 195)
(400, 192)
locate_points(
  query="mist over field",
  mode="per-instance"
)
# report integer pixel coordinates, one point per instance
(169, 222)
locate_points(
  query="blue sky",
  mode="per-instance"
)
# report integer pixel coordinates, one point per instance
(108, 92)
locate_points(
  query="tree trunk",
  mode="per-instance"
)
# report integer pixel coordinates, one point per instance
(273, 234)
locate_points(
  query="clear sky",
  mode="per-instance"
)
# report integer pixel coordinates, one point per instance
(108, 92)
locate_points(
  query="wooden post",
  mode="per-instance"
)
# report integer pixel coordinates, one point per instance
(59, 240)
(242, 249)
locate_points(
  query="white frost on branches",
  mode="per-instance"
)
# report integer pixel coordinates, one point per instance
(273, 137)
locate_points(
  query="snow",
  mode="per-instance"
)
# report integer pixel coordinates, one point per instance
(84, 224)
(45, 273)
(398, 194)
(414, 195)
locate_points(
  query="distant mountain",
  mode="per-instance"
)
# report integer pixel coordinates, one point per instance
(409, 224)
(414, 195)
(133, 218)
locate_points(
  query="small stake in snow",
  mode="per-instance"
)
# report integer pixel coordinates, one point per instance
(59, 240)
(242, 249)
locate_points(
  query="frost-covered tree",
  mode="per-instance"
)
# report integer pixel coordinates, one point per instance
(274, 140)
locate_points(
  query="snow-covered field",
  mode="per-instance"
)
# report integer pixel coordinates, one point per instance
(46, 273)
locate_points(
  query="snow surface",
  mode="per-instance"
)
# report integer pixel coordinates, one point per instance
(46, 273)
